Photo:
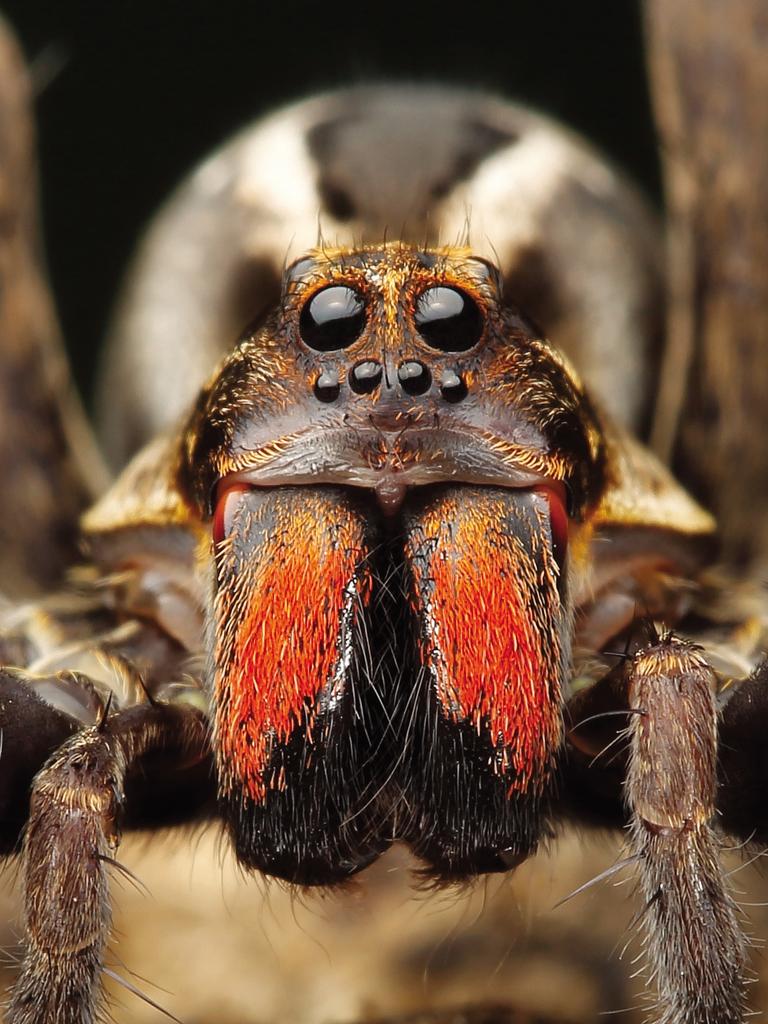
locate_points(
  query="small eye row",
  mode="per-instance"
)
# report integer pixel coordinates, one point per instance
(447, 319)
(413, 377)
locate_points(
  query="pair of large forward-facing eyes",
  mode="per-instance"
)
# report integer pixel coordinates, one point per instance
(447, 319)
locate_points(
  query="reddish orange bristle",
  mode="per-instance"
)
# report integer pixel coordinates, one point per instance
(281, 629)
(490, 639)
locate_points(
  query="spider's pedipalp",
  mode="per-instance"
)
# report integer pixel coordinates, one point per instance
(72, 828)
(70, 840)
(694, 942)
(652, 729)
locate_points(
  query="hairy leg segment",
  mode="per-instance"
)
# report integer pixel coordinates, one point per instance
(70, 842)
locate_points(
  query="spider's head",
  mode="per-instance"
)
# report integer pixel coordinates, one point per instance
(391, 464)
(389, 369)
(399, 493)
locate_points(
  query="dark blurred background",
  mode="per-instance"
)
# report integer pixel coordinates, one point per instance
(132, 92)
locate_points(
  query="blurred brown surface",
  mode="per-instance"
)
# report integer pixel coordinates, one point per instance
(49, 467)
(214, 947)
(709, 77)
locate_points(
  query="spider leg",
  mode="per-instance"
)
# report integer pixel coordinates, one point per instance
(76, 811)
(696, 948)
(661, 703)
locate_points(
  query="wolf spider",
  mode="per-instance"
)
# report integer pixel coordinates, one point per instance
(398, 576)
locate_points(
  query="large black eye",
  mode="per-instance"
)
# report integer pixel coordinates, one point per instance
(448, 319)
(332, 319)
